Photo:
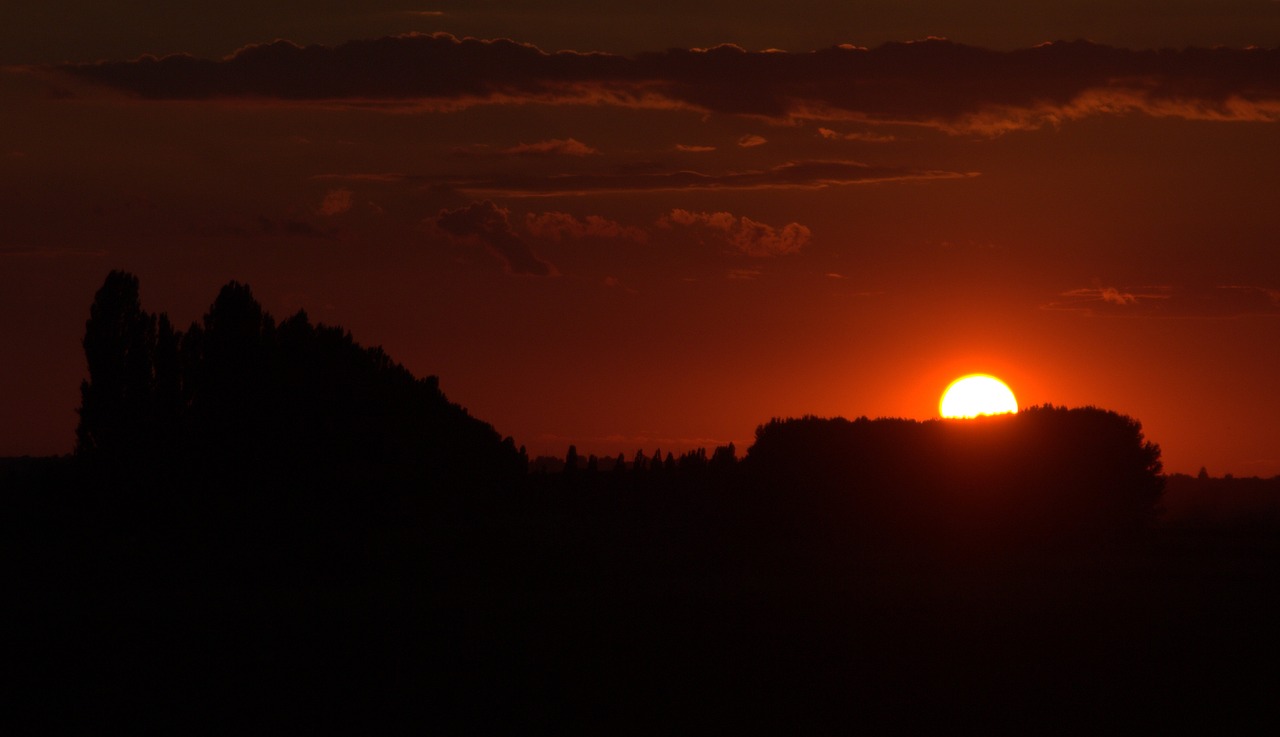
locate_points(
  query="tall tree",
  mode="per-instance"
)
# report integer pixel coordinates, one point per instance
(117, 400)
(571, 462)
(231, 398)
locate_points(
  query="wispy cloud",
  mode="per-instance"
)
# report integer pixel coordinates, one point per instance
(1228, 301)
(864, 136)
(741, 234)
(336, 202)
(558, 226)
(792, 175)
(487, 224)
(555, 146)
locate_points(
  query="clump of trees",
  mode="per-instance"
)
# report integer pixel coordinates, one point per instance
(241, 400)
(1045, 474)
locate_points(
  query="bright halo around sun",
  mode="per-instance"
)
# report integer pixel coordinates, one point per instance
(977, 394)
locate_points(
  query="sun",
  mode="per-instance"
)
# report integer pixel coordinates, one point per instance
(977, 394)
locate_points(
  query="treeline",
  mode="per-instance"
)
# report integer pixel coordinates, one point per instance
(290, 436)
(1047, 472)
(1047, 475)
(1225, 502)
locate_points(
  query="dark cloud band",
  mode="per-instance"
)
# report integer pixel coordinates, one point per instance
(933, 82)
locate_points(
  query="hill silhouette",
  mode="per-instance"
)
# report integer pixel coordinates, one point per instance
(266, 523)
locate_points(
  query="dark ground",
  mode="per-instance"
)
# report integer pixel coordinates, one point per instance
(556, 614)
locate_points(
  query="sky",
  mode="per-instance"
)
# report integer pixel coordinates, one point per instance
(659, 225)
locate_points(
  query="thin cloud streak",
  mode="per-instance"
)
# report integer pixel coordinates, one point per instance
(1218, 302)
(792, 175)
(552, 147)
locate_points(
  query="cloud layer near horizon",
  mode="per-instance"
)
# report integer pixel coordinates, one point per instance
(934, 82)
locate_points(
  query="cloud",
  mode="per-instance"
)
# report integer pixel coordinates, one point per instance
(336, 202)
(1117, 297)
(742, 234)
(694, 149)
(551, 147)
(613, 282)
(864, 136)
(792, 175)
(555, 146)
(490, 225)
(937, 83)
(752, 140)
(557, 226)
(1220, 302)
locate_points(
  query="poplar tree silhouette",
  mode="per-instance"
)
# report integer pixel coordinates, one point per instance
(116, 401)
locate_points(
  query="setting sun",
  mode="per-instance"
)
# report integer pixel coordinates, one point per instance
(977, 394)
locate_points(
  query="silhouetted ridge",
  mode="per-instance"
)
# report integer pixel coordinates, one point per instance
(241, 398)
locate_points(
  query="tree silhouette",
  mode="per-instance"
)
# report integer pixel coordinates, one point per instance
(120, 422)
(247, 403)
(1044, 474)
(571, 462)
(231, 393)
(117, 344)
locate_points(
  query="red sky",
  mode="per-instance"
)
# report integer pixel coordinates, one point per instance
(649, 240)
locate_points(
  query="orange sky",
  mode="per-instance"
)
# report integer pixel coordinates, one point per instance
(651, 248)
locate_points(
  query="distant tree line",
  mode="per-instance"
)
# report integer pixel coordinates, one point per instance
(694, 461)
(242, 420)
(1046, 473)
(1225, 502)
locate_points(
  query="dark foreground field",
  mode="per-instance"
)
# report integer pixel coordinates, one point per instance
(559, 613)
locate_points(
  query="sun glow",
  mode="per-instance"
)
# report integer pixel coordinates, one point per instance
(977, 394)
